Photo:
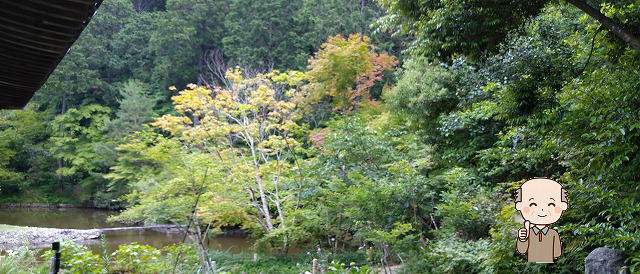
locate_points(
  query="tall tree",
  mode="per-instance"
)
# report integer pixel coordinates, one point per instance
(254, 116)
(135, 111)
(75, 140)
(21, 147)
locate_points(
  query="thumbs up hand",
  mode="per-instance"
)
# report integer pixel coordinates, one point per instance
(523, 233)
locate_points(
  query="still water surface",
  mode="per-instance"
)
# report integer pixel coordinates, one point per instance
(95, 218)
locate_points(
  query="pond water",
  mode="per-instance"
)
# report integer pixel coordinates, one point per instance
(95, 218)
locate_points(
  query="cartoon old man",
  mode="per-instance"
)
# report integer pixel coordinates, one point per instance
(541, 202)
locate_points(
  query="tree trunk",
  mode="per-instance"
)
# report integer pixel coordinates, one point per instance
(203, 252)
(265, 205)
(614, 27)
(196, 120)
(263, 196)
(363, 28)
(285, 246)
(63, 110)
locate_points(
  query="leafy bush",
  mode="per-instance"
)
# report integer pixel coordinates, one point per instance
(21, 260)
(451, 255)
(341, 268)
(183, 257)
(244, 262)
(502, 256)
(77, 258)
(468, 215)
(136, 258)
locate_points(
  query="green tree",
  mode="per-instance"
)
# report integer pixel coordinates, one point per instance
(136, 109)
(257, 116)
(271, 36)
(75, 143)
(134, 57)
(19, 131)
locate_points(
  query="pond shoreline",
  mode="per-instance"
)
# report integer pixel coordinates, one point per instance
(43, 236)
(38, 225)
(225, 232)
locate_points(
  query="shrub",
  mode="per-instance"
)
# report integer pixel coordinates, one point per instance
(467, 215)
(136, 258)
(502, 256)
(77, 258)
(451, 255)
(340, 268)
(185, 255)
(21, 260)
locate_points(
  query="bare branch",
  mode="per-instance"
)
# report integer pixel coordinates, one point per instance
(143, 5)
(215, 68)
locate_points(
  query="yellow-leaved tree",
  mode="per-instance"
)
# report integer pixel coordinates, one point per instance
(254, 117)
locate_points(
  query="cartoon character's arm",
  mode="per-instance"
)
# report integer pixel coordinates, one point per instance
(522, 246)
(557, 246)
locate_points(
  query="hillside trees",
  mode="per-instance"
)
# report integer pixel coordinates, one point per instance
(136, 57)
(273, 36)
(516, 107)
(145, 5)
(175, 42)
(172, 45)
(81, 78)
(474, 28)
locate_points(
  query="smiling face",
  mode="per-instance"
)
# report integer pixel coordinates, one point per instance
(541, 202)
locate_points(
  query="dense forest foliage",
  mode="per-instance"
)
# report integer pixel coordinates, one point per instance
(397, 128)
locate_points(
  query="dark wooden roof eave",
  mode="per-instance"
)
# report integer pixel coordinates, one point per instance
(34, 37)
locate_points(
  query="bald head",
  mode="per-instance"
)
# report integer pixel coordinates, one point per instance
(542, 183)
(541, 201)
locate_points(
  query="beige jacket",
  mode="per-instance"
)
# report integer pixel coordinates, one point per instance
(542, 246)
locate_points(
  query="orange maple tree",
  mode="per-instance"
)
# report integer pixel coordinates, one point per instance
(345, 70)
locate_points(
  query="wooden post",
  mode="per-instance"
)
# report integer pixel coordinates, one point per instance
(54, 267)
(314, 265)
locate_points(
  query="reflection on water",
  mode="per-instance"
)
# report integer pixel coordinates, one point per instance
(76, 218)
(94, 218)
